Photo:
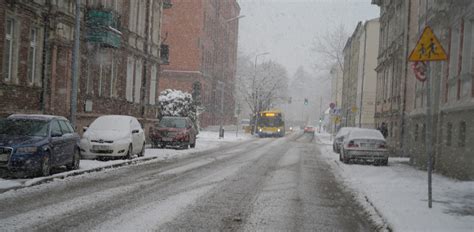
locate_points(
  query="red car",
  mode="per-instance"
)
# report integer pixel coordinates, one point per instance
(309, 129)
(175, 132)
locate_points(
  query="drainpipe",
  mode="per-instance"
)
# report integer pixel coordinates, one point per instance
(405, 70)
(46, 60)
(363, 76)
(145, 60)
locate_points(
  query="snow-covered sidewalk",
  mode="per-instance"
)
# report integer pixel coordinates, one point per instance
(398, 192)
(206, 140)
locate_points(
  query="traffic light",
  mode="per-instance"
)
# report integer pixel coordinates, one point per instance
(306, 101)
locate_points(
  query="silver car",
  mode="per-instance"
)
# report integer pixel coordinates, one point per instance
(364, 144)
(336, 144)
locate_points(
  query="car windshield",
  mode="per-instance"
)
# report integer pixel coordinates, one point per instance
(111, 123)
(271, 121)
(24, 127)
(172, 123)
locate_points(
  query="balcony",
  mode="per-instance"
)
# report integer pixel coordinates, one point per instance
(102, 28)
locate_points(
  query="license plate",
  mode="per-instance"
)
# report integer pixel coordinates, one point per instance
(100, 147)
(368, 145)
(167, 139)
(4, 157)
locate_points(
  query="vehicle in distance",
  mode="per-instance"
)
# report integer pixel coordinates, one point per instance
(364, 144)
(113, 136)
(34, 144)
(271, 123)
(309, 129)
(336, 144)
(177, 132)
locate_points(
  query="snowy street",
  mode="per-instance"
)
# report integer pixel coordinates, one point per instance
(263, 184)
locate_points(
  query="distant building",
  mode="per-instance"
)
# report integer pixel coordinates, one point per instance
(202, 39)
(359, 76)
(120, 58)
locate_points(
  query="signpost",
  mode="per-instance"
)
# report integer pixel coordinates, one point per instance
(427, 49)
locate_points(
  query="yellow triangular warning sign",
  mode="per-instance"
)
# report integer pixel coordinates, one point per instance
(428, 48)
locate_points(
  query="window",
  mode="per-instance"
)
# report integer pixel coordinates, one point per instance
(449, 133)
(66, 129)
(454, 51)
(423, 132)
(9, 36)
(153, 85)
(101, 73)
(462, 134)
(32, 55)
(130, 71)
(113, 77)
(138, 81)
(55, 128)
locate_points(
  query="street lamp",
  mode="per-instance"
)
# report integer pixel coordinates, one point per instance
(222, 86)
(257, 110)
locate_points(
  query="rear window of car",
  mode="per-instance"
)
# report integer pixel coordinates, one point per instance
(172, 123)
(366, 134)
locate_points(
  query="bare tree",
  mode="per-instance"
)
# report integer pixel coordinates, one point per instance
(262, 87)
(330, 47)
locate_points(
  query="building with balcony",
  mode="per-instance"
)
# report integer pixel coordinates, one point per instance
(120, 58)
(202, 39)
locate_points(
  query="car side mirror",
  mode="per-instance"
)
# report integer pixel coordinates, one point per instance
(55, 134)
(85, 128)
(135, 131)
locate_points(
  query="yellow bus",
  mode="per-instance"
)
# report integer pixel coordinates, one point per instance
(271, 123)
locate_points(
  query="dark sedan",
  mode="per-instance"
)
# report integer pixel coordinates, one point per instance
(175, 132)
(33, 144)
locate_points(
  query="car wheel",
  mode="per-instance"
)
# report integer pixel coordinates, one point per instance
(340, 157)
(129, 154)
(193, 145)
(185, 146)
(344, 159)
(142, 152)
(76, 159)
(384, 162)
(333, 148)
(45, 166)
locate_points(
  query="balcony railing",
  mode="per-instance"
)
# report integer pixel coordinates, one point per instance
(103, 28)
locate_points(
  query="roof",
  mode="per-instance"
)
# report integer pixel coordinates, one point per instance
(37, 116)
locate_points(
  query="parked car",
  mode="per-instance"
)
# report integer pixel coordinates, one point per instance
(336, 144)
(366, 145)
(113, 136)
(309, 129)
(34, 144)
(174, 131)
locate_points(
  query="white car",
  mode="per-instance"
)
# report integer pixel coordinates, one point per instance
(336, 144)
(113, 136)
(366, 145)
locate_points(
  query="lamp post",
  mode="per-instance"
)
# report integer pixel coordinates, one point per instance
(222, 86)
(256, 91)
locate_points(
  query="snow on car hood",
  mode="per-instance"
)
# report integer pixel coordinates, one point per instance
(92, 134)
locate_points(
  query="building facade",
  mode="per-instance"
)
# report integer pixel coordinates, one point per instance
(451, 84)
(119, 58)
(202, 36)
(359, 77)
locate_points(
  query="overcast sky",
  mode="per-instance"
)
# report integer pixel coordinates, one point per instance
(287, 28)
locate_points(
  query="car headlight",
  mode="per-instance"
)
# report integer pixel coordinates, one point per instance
(278, 129)
(27, 149)
(260, 129)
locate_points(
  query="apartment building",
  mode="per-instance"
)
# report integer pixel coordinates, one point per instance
(359, 76)
(120, 57)
(202, 35)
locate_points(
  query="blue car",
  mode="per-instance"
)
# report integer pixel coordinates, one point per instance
(34, 144)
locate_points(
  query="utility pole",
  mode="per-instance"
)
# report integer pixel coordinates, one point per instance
(320, 113)
(75, 62)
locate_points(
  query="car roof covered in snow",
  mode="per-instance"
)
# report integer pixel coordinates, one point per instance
(36, 117)
(360, 133)
(344, 131)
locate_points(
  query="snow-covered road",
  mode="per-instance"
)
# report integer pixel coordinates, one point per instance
(264, 184)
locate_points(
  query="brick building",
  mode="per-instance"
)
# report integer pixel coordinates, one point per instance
(119, 57)
(202, 39)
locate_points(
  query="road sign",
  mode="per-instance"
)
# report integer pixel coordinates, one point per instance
(428, 48)
(332, 105)
(419, 68)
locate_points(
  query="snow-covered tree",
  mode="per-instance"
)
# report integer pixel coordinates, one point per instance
(178, 103)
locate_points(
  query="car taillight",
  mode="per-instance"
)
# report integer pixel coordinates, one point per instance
(382, 146)
(352, 144)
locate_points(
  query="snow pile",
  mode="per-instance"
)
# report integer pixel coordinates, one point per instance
(399, 194)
